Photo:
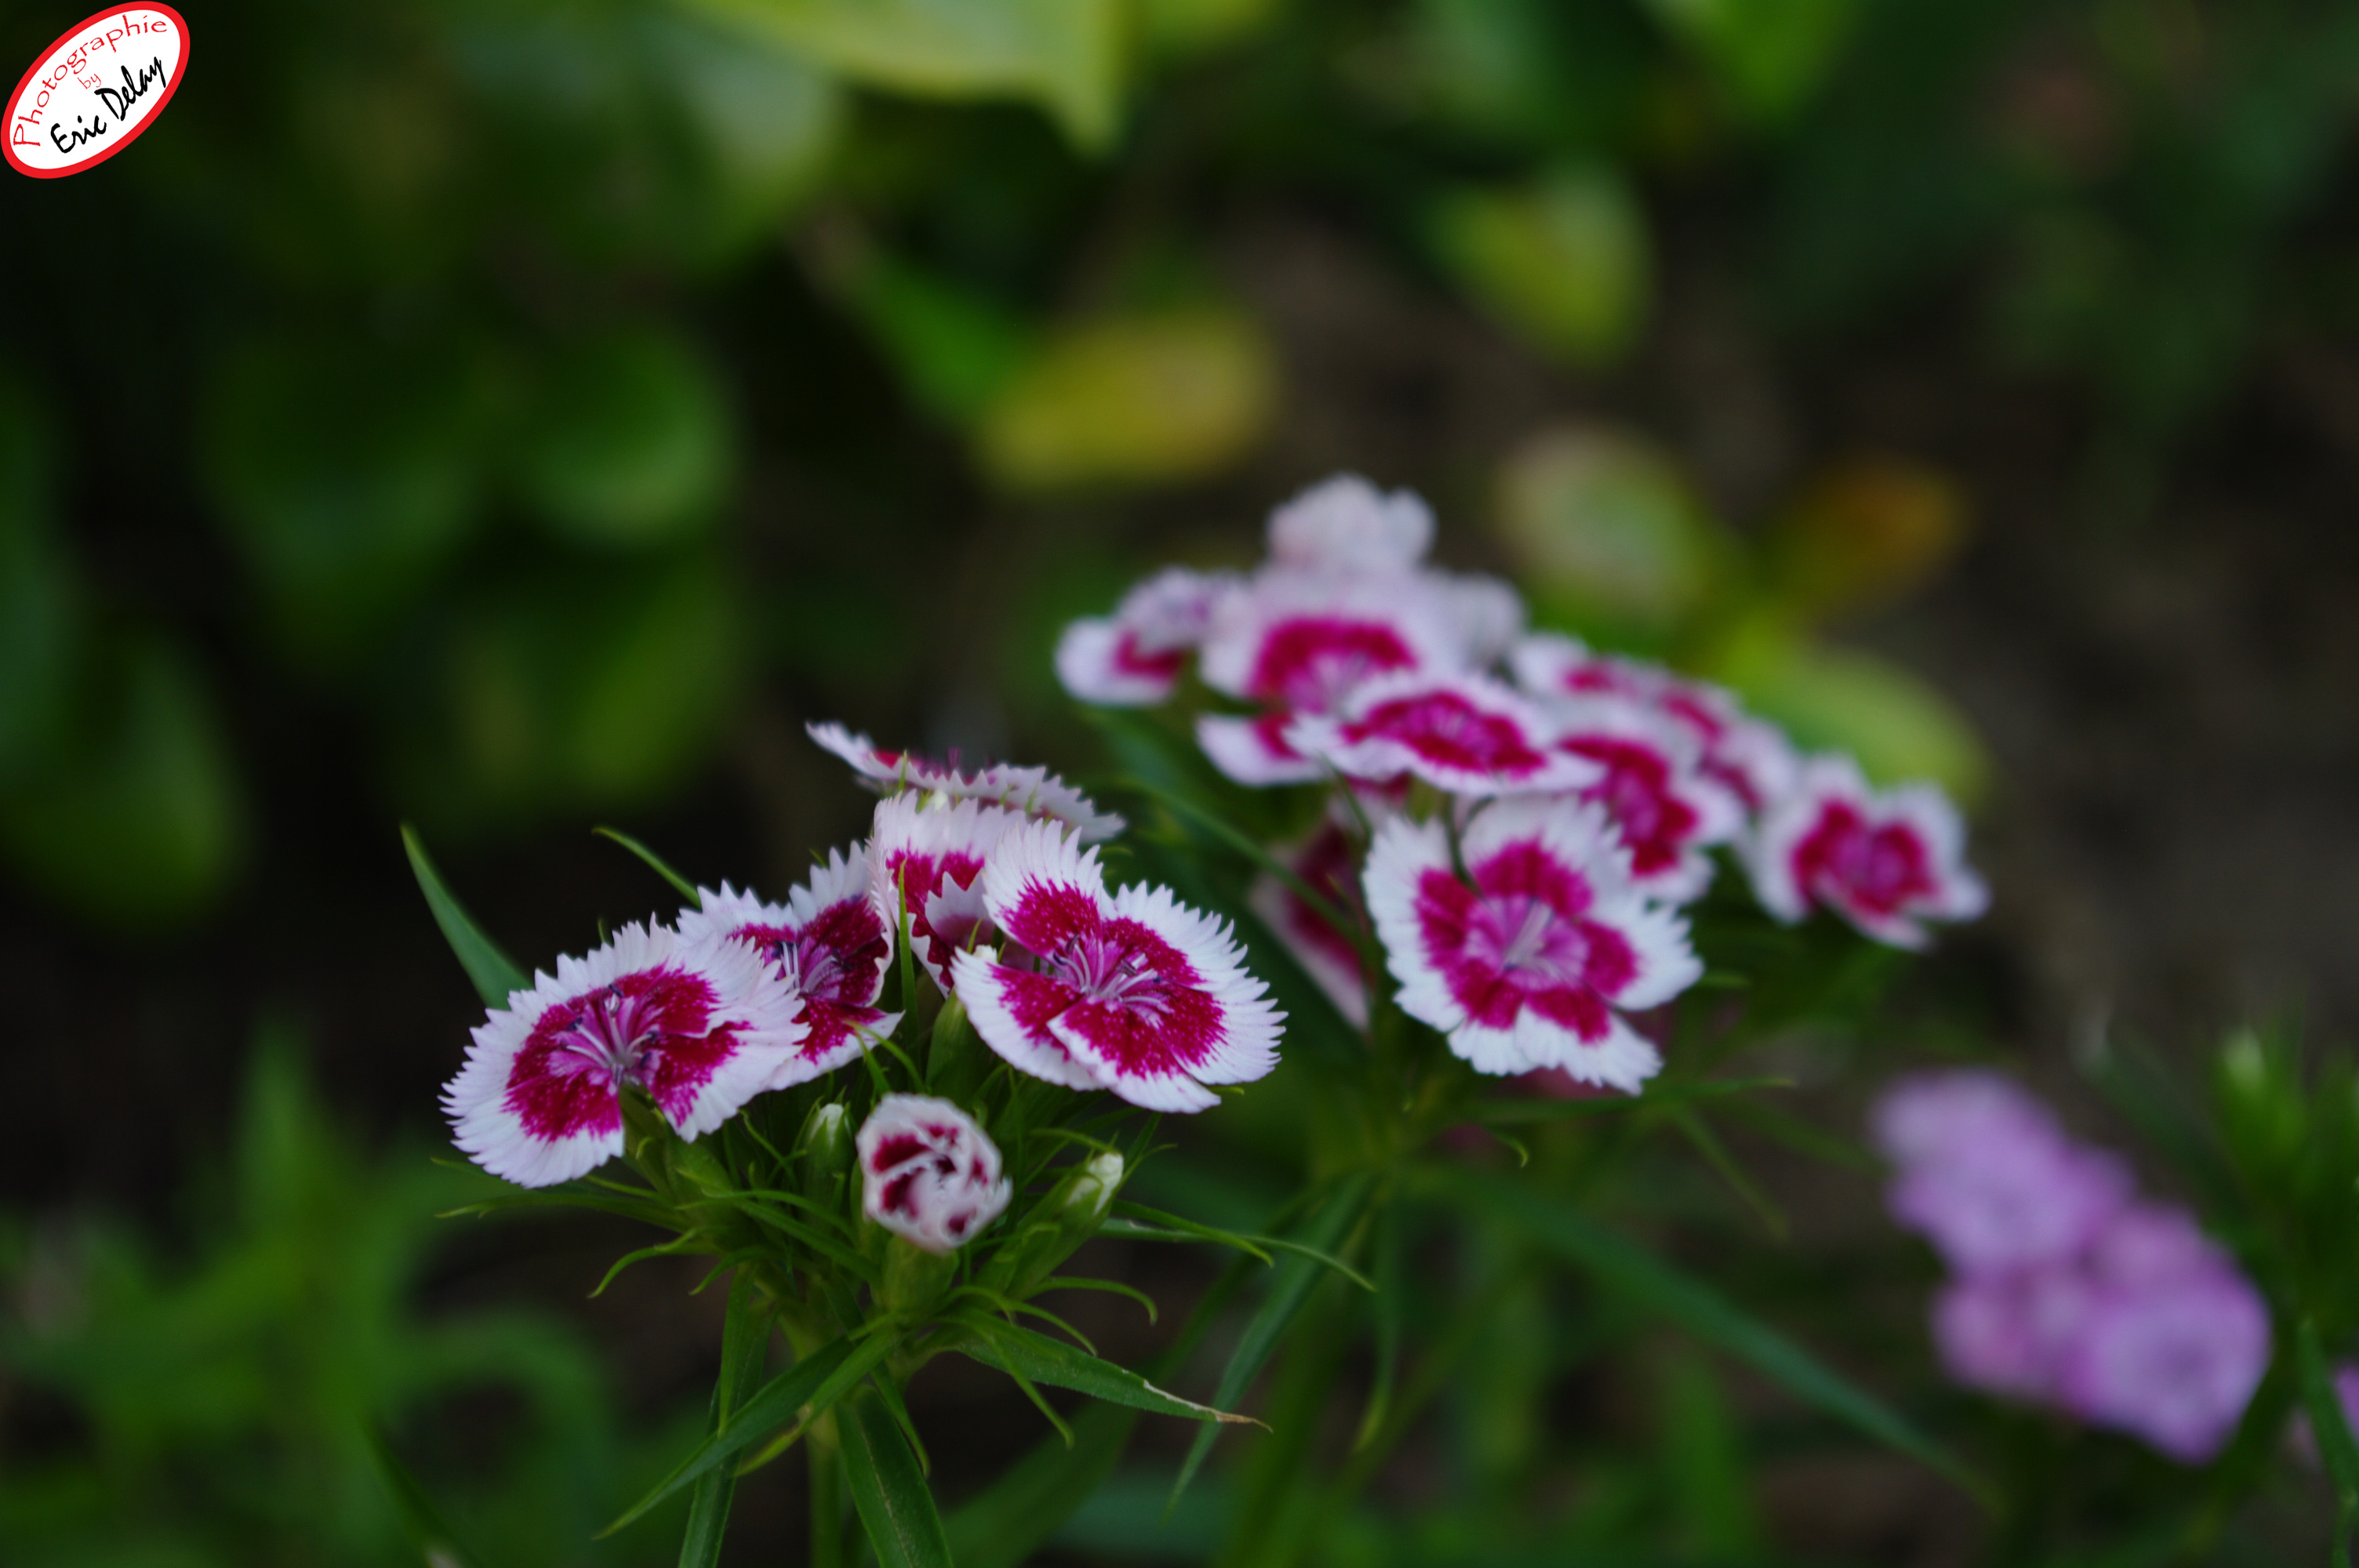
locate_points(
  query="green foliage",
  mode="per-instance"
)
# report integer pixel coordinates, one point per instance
(229, 1406)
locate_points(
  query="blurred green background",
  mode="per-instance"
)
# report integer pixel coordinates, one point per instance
(517, 414)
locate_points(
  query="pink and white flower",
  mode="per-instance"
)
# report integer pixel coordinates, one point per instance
(1466, 734)
(699, 1028)
(1750, 759)
(1533, 963)
(926, 857)
(927, 1174)
(830, 944)
(1035, 792)
(1301, 640)
(1327, 862)
(1348, 524)
(1134, 658)
(1132, 993)
(1667, 810)
(1885, 861)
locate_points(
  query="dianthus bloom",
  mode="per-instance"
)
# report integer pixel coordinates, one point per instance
(829, 944)
(1035, 792)
(1343, 599)
(928, 859)
(1131, 992)
(1466, 734)
(1885, 861)
(1750, 759)
(1533, 963)
(699, 1028)
(1667, 810)
(927, 1174)
(2069, 1290)
(1135, 658)
(1326, 862)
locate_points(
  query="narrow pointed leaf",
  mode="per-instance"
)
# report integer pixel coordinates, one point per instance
(494, 974)
(1162, 1226)
(2332, 1429)
(745, 1335)
(655, 863)
(1044, 1360)
(420, 1520)
(889, 1489)
(1324, 1232)
(1390, 1306)
(1621, 1265)
(819, 1377)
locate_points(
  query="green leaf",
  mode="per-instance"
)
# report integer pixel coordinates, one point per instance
(494, 974)
(2333, 1431)
(889, 1489)
(1161, 1227)
(1065, 55)
(817, 1380)
(655, 862)
(1701, 1311)
(1295, 1276)
(1390, 1307)
(1014, 1350)
(745, 1335)
(1563, 261)
(420, 1520)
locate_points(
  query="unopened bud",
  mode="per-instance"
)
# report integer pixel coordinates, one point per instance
(824, 1150)
(1060, 1223)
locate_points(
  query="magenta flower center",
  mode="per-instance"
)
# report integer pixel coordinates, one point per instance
(1444, 728)
(1521, 937)
(652, 1028)
(1879, 869)
(1310, 663)
(1108, 970)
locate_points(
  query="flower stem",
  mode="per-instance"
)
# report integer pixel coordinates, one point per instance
(823, 1450)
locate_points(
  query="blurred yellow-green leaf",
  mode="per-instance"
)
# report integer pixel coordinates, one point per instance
(1766, 55)
(1065, 55)
(1178, 28)
(1563, 261)
(764, 120)
(1847, 699)
(956, 350)
(1133, 400)
(1864, 534)
(1606, 533)
(631, 444)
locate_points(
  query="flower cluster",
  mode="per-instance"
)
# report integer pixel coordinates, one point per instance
(1515, 819)
(984, 875)
(2068, 1288)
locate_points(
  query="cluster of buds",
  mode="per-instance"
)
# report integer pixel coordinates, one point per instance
(1518, 820)
(2067, 1288)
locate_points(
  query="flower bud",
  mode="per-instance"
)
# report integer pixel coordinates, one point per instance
(824, 1150)
(1060, 1222)
(927, 1174)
